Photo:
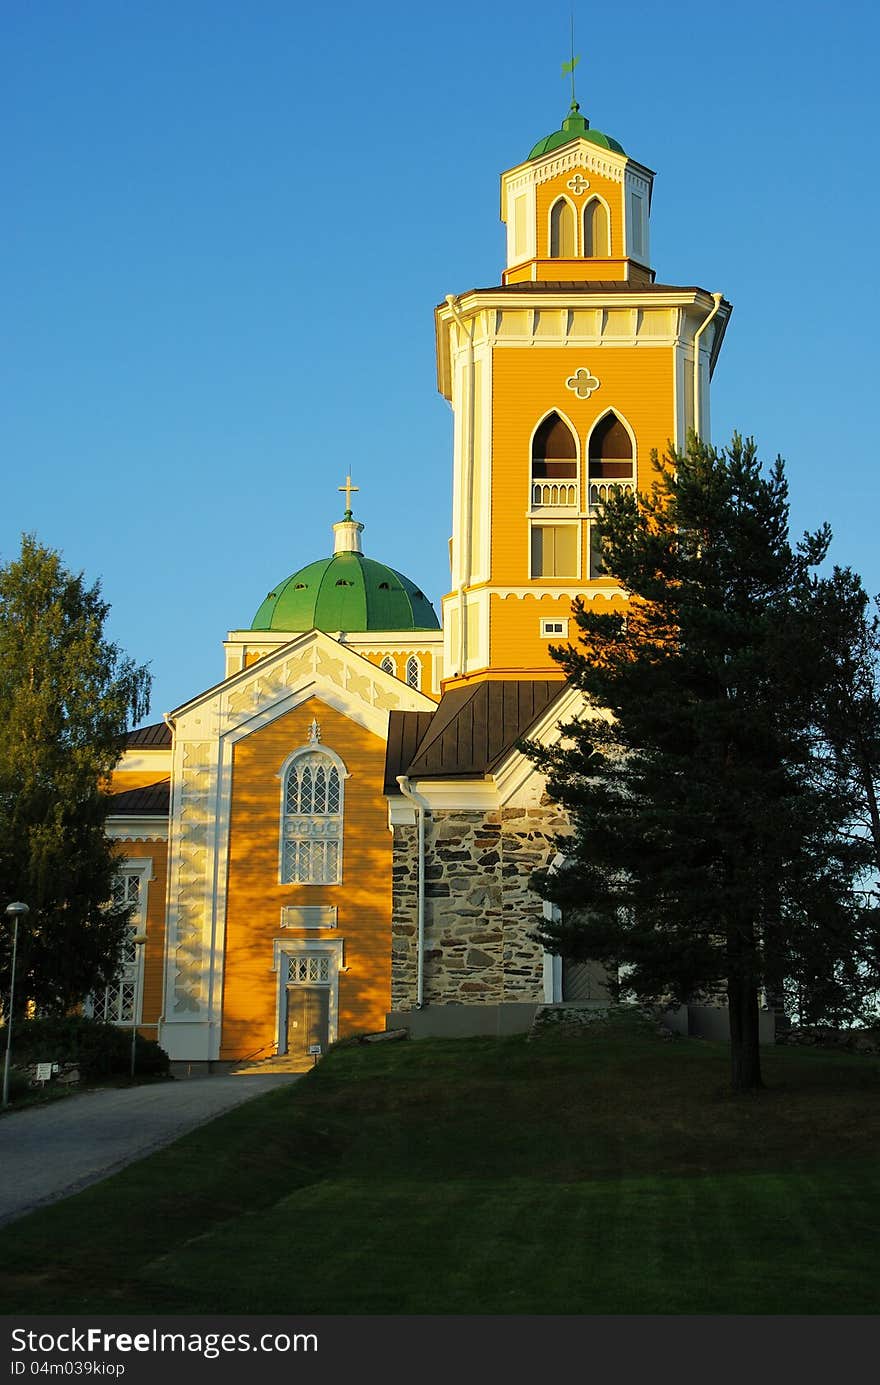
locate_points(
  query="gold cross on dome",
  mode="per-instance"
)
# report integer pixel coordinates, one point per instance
(348, 488)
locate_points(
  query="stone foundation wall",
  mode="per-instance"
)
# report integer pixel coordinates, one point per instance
(479, 910)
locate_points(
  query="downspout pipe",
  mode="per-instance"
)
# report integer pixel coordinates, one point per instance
(169, 722)
(466, 545)
(717, 298)
(420, 805)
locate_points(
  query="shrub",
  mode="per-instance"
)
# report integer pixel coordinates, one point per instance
(100, 1050)
(19, 1087)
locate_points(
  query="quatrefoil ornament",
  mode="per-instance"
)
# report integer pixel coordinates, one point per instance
(582, 382)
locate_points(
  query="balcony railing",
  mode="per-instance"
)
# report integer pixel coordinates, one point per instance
(554, 493)
(599, 491)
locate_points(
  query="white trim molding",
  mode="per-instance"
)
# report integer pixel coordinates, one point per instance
(285, 948)
(132, 829)
(319, 828)
(308, 915)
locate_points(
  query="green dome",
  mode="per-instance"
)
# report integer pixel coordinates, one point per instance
(574, 126)
(346, 592)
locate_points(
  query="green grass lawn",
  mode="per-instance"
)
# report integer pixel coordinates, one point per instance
(606, 1172)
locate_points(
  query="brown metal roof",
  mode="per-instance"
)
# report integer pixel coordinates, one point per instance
(474, 727)
(405, 731)
(148, 802)
(155, 737)
(603, 286)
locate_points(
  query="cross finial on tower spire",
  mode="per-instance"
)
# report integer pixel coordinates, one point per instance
(348, 488)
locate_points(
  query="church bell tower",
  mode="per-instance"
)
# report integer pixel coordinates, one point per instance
(563, 380)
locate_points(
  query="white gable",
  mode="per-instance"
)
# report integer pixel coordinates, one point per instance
(205, 732)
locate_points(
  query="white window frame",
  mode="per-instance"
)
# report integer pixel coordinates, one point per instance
(562, 197)
(389, 659)
(417, 664)
(315, 749)
(560, 634)
(557, 522)
(595, 197)
(590, 504)
(565, 510)
(283, 950)
(142, 870)
(637, 225)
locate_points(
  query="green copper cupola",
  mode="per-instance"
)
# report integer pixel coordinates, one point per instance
(574, 126)
(346, 592)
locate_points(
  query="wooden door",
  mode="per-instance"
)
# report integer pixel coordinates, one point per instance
(308, 1019)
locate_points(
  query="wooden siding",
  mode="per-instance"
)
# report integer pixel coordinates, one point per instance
(607, 188)
(121, 780)
(515, 639)
(255, 897)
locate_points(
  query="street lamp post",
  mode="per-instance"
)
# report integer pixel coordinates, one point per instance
(139, 940)
(15, 911)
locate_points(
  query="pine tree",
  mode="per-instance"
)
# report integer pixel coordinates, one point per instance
(67, 695)
(848, 713)
(706, 859)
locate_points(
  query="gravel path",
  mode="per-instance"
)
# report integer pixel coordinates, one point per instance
(49, 1152)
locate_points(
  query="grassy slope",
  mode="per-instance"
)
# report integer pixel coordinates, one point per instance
(598, 1174)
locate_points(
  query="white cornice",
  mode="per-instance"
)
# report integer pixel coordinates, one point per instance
(577, 153)
(355, 639)
(142, 761)
(688, 306)
(553, 593)
(476, 300)
(443, 795)
(136, 829)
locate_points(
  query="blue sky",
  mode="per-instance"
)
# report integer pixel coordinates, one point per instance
(188, 184)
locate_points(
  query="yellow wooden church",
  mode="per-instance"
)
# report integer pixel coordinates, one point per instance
(342, 828)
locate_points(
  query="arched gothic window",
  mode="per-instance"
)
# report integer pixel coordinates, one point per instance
(414, 671)
(596, 230)
(562, 230)
(611, 467)
(388, 666)
(554, 463)
(610, 459)
(311, 833)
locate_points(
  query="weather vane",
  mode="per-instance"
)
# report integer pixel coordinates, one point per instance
(569, 67)
(348, 488)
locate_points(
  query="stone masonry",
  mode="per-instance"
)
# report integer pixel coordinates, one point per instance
(480, 913)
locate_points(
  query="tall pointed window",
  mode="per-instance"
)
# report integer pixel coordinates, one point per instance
(414, 671)
(562, 230)
(596, 238)
(388, 666)
(311, 840)
(611, 467)
(554, 464)
(611, 464)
